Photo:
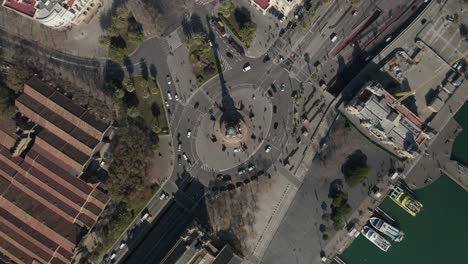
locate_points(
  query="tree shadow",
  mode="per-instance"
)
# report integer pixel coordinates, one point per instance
(144, 69)
(114, 73)
(242, 16)
(105, 20)
(155, 109)
(130, 100)
(153, 71)
(335, 187)
(355, 160)
(128, 65)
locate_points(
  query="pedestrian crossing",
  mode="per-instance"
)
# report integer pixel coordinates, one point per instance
(208, 168)
(173, 40)
(224, 62)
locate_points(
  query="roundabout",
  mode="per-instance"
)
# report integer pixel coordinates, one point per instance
(231, 132)
(226, 138)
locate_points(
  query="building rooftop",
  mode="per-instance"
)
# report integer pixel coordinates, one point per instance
(263, 3)
(25, 7)
(418, 69)
(44, 207)
(392, 123)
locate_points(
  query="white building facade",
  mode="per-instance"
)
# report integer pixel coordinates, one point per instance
(57, 14)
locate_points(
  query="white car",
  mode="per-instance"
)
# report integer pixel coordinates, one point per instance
(179, 147)
(184, 156)
(169, 96)
(168, 78)
(166, 103)
(241, 171)
(246, 68)
(211, 43)
(267, 148)
(189, 133)
(122, 245)
(251, 167)
(113, 256)
(333, 37)
(176, 97)
(163, 196)
(282, 87)
(236, 150)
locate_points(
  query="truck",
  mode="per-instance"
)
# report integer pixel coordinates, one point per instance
(219, 26)
(147, 217)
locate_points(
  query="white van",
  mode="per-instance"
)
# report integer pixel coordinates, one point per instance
(333, 37)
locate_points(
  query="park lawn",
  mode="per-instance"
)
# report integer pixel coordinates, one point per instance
(202, 58)
(151, 103)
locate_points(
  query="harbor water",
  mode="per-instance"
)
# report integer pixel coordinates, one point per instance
(439, 233)
(460, 146)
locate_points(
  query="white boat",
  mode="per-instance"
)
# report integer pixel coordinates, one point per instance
(375, 238)
(385, 228)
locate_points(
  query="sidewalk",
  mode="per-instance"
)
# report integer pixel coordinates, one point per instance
(268, 29)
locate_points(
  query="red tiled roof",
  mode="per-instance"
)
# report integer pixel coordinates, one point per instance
(70, 4)
(25, 7)
(263, 3)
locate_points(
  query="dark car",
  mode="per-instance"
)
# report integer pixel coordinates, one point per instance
(274, 109)
(266, 59)
(275, 126)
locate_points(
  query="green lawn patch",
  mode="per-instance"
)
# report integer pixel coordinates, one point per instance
(143, 99)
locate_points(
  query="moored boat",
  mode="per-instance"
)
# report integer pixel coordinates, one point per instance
(385, 228)
(375, 238)
(405, 200)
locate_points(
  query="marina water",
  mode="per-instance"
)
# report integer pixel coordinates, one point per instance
(438, 234)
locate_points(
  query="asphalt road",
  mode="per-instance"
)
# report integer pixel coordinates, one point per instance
(183, 117)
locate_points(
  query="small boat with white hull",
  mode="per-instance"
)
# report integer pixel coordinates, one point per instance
(375, 238)
(385, 228)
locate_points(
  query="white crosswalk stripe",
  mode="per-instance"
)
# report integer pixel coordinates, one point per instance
(224, 63)
(173, 40)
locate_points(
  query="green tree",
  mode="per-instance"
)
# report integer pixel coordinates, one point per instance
(326, 217)
(356, 175)
(247, 33)
(325, 236)
(119, 93)
(133, 112)
(226, 8)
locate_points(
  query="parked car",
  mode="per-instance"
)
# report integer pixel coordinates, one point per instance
(189, 133)
(282, 87)
(168, 79)
(333, 37)
(176, 97)
(184, 156)
(166, 103)
(163, 196)
(169, 96)
(246, 67)
(251, 167)
(267, 148)
(122, 245)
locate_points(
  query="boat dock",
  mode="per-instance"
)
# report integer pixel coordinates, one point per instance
(339, 260)
(380, 211)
